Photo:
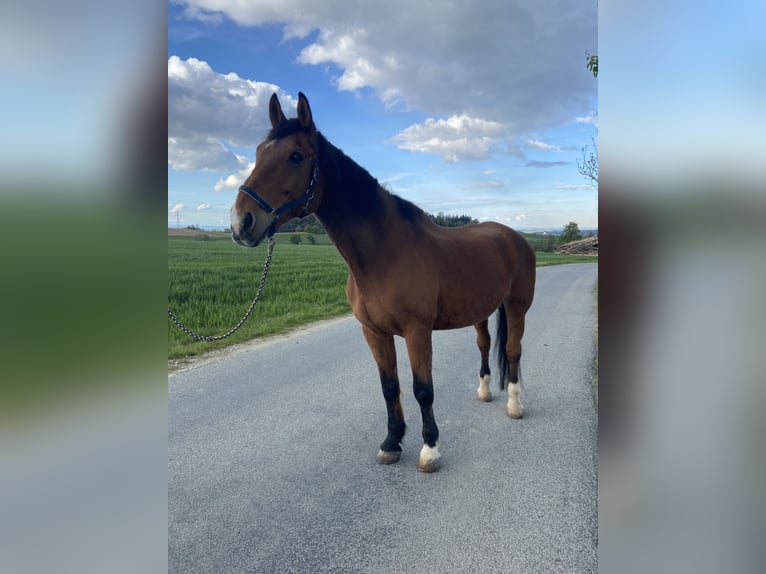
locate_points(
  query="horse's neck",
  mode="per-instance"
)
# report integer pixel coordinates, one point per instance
(353, 210)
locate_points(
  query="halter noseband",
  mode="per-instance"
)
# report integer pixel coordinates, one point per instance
(307, 196)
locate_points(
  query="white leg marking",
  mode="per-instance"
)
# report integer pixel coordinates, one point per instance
(485, 395)
(515, 408)
(429, 458)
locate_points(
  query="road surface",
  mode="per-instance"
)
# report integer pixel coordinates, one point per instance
(271, 455)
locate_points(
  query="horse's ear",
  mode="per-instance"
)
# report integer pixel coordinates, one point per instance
(304, 112)
(275, 111)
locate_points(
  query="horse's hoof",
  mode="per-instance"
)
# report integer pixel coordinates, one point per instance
(430, 466)
(430, 459)
(483, 391)
(388, 457)
(516, 412)
(485, 397)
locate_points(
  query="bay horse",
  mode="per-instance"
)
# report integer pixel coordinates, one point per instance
(406, 275)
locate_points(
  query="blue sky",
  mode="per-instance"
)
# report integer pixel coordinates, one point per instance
(479, 111)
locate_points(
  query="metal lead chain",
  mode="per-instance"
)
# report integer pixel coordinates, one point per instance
(261, 284)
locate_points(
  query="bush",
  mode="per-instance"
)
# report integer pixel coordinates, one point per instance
(295, 239)
(310, 239)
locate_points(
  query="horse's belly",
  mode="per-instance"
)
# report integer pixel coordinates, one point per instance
(456, 319)
(458, 312)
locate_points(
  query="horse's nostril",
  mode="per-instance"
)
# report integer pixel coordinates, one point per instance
(247, 221)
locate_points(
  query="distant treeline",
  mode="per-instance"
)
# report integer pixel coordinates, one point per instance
(311, 224)
(541, 242)
(451, 220)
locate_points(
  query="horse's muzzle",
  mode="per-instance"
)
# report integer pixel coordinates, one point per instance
(247, 230)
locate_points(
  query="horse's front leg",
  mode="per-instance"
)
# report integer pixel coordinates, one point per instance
(420, 353)
(384, 352)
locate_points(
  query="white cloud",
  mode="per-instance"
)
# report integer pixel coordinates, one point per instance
(587, 120)
(177, 207)
(201, 153)
(204, 206)
(233, 180)
(521, 217)
(514, 62)
(457, 138)
(209, 113)
(537, 144)
(572, 187)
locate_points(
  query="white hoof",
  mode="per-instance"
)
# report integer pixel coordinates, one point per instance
(515, 408)
(484, 393)
(429, 459)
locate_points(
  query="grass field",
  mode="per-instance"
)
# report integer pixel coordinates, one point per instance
(212, 282)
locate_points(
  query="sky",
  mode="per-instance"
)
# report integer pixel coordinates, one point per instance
(476, 108)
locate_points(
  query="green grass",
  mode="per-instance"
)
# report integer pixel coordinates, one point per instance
(212, 282)
(545, 259)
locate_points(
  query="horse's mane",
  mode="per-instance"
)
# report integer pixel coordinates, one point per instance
(357, 194)
(409, 210)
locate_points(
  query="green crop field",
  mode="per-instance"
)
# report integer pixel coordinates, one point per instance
(211, 282)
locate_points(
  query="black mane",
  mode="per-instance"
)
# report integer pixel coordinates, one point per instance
(355, 193)
(408, 210)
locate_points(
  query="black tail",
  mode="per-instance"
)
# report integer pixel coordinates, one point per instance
(501, 338)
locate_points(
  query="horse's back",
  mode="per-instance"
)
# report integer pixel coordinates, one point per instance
(494, 243)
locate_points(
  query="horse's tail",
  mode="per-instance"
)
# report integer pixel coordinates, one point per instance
(501, 338)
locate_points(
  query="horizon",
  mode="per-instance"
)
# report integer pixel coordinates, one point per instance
(552, 230)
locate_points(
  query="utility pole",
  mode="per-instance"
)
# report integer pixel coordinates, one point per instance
(178, 219)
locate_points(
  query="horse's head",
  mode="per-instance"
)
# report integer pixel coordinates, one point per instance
(284, 179)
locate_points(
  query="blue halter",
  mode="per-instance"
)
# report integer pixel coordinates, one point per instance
(275, 213)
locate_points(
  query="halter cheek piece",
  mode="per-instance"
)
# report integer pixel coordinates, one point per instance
(307, 196)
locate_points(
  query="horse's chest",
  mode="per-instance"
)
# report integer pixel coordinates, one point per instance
(387, 310)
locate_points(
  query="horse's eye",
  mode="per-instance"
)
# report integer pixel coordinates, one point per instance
(296, 157)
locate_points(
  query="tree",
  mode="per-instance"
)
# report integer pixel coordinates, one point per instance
(311, 239)
(592, 63)
(588, 166)
(571, 233)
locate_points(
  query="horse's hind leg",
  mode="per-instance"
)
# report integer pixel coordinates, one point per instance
(515, 311)
(484, 342)
(384, 352)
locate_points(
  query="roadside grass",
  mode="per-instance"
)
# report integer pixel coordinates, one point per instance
(211, 282)
(545, 259)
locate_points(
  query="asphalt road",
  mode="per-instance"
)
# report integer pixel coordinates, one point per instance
(271, 455)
